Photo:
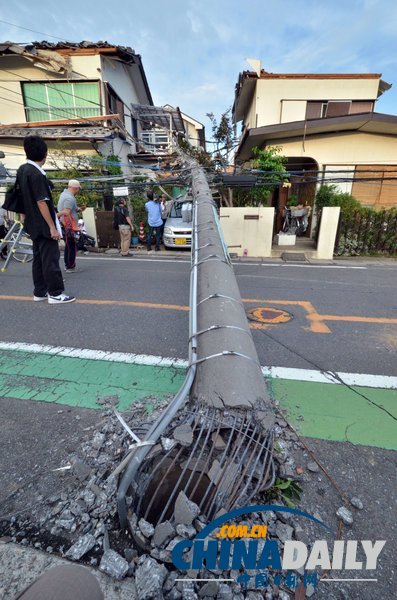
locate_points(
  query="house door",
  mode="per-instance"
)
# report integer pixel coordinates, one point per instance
(280, 197)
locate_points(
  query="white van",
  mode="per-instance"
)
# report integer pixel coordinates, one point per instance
(178, 226)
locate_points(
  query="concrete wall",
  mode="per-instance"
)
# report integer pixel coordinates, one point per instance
(90, 225)
(250, 236)
(327, 234)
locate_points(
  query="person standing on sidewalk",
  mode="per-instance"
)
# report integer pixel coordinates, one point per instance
(41, 224)
(122, 217)
(67, 207)
(155, 221)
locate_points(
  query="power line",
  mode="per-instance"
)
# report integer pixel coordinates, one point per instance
(31, 30)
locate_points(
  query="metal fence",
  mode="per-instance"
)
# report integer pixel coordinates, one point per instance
(367, 232)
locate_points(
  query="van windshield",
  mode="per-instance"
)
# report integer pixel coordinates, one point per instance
(176, 210)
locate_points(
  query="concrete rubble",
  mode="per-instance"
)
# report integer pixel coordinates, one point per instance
(81, 520)
(345, 515)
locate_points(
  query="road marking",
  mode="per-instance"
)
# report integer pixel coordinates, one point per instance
(386, 382)
(324, 267)
(316, 325)
(268, 315)
(288, 373)
(316, 321)
(94, 379)
(358, 415)
(354, 319)
(122, 357)
(112, 302)
(135, 259)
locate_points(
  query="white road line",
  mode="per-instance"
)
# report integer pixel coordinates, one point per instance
(239, 264)
(357, 379)
(360, 379)
(133, 259)
(323, 266)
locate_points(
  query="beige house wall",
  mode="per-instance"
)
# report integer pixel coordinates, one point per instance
(192, 134)
(343, 149)
(284, 100)
(344, 152)
(250, 120)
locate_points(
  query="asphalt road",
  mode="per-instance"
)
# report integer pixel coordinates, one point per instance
(140, 305)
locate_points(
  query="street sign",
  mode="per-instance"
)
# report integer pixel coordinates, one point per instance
(120, 191)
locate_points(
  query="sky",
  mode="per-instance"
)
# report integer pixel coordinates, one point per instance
(193, 50)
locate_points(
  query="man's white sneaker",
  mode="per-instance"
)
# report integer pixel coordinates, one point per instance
(40, 298)
(61, 299)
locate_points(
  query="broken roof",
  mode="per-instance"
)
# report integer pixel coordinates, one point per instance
(68, 48)
(159, 115)
(75, 129)
(54, 133)
(54, 57)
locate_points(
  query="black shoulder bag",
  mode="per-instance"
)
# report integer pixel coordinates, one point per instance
(13, 199)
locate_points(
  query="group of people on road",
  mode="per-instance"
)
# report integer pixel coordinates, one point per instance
(46, 225)
(157, 208)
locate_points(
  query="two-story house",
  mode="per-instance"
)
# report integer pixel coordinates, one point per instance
(88, 94)
(327, 127)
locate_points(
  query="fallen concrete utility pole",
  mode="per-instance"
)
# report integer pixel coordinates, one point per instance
(217, 449)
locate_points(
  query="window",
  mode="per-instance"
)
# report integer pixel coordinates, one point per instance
(115, 104)
(316, 110)
(55, 101)
(375, 185)
(156, 139)
(337, 108)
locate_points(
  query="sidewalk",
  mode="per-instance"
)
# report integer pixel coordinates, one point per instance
(184, 255)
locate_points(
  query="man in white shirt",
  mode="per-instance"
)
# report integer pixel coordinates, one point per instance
(67, 207)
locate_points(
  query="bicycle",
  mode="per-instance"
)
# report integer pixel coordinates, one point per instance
(295, 220)
(18, 243)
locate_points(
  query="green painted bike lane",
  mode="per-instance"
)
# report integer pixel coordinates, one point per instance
(333, 412)
(84, 383)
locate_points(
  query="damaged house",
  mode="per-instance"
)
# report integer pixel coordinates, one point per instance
(93, 95)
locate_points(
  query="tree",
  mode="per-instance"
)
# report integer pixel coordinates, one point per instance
(270, 165)
(203, 158)
(69, 164)
(224, 137)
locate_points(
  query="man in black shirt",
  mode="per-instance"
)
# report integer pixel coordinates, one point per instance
(41, 224)
(123, 219)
